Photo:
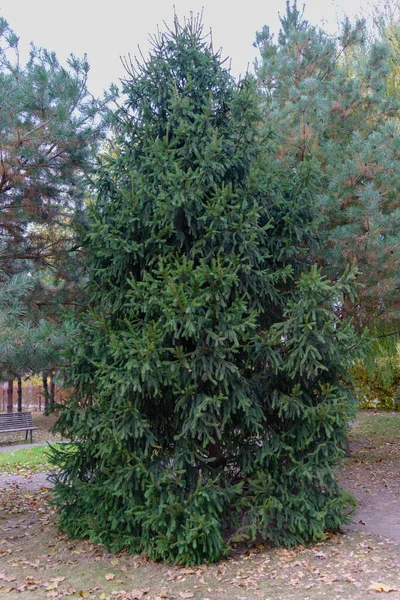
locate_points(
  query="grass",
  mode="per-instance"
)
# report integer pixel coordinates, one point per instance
(26, 459)
(32, 460)
(376, 425)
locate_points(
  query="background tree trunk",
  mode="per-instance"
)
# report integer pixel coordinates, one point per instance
(45, 391)
(19, 395)
(52, 391)
(10, 390)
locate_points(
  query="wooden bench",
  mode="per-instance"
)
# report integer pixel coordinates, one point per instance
(17, 422)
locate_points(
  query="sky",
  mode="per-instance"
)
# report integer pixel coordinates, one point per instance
(107, 30)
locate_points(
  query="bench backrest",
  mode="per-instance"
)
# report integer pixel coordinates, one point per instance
(12, 420)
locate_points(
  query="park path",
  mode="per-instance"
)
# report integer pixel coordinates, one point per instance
(377, 512)
(32, 482)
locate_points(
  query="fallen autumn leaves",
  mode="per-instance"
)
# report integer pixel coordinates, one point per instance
(37, 563)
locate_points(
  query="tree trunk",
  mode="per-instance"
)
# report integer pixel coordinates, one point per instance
(45, 392)
(10, 390)
(52, 392)
(19, 395)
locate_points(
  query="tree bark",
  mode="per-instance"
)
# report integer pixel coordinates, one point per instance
(45, 392)
(52, 392)
(10, 390)
(19, 395)
(215, 452)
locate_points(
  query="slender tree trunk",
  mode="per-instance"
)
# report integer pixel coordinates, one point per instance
(10, 390)
(52, 391)
(19, 395)
(45, 391)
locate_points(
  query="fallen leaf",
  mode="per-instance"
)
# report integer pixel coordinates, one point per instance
(186, 595)
(83, 594)
(187, 572)
(381, 587)
(32, 581)
(109, 576)
(52, 586)
(138, 594)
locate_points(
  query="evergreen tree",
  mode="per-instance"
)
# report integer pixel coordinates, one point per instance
(327, 104)
(208, 373)
(50, 128)
(30, 341)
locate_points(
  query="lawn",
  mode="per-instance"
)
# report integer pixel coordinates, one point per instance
(25, 460)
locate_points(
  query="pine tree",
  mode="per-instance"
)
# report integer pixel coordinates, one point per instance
(50, 127)
(208, 380)
(326, 104)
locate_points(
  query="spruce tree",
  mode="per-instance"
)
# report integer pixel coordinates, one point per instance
(208, 384)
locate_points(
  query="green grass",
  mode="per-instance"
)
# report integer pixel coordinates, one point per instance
(29, 459)
(376, 425)
(33, 459)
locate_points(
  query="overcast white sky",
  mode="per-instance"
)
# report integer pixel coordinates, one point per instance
(108, 29)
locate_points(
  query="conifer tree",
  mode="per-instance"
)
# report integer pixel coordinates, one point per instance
(327, 105)
(208, 380)
(50, 127)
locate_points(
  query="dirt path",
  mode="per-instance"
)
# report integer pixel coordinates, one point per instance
(372, 475)
(12, 447)
(32, 482)
(378, 510)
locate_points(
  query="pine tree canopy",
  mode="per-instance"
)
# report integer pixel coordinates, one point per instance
(50, 127)
(209, 401)
(326, 103)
